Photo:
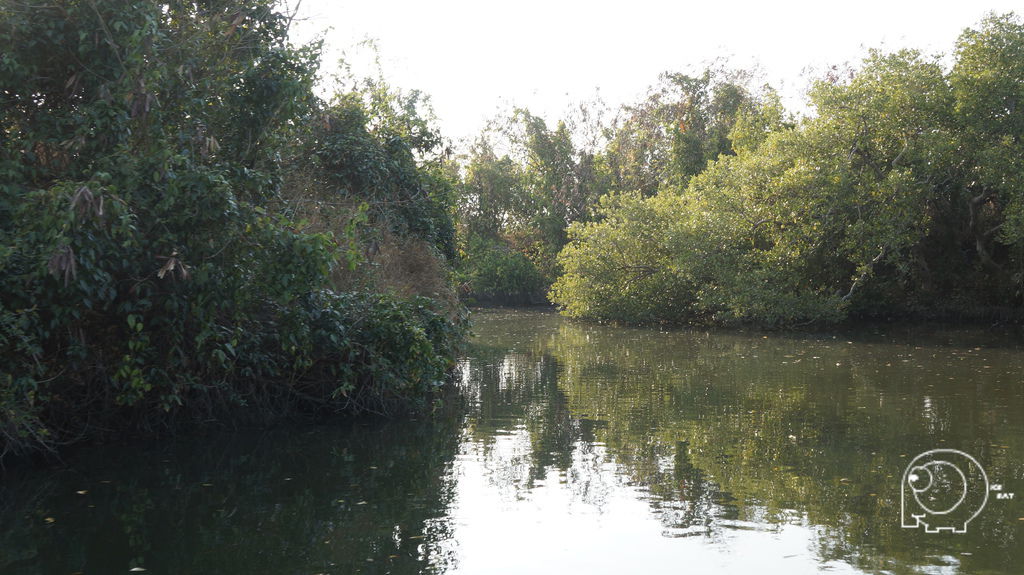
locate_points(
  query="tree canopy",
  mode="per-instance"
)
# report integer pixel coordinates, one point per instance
(157, 262)
(899, 196)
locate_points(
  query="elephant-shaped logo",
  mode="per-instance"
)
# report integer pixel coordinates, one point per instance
(943, 490)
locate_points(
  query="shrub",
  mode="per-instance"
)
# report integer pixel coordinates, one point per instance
(494, 273)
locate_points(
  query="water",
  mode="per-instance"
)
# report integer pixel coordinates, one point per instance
(581, 449)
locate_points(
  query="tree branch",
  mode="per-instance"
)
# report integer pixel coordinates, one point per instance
(864, 275)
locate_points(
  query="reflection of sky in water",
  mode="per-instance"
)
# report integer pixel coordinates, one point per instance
(579, 449)
(588, 519)
(616, 450)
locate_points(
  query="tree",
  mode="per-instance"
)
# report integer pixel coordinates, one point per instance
(516, 208)
(901, 195)
(494, 197)
(671, 135)
(149, 268)
(988, 84)
(621, 266)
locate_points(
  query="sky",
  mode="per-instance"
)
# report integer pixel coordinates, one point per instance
(476, 57)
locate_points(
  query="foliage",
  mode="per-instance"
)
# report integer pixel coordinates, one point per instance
(494, 196)
(628, 249)
(373, 144)
(683, 123)
(515, 208)
(552, 179)
(500, 274)
(372, 169)
(900, 196)
(149, 270)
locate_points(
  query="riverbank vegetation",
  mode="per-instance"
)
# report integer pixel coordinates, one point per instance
(187, 232)
(899, 195)
(527, 184)
(189, 229)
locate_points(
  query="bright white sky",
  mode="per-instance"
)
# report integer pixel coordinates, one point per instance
(474, 56)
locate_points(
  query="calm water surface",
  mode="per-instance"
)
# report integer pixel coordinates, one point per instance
(581, 449)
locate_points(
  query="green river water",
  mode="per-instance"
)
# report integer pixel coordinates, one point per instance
(577, 449)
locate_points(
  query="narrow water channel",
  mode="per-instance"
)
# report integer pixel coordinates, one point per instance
(580, 449)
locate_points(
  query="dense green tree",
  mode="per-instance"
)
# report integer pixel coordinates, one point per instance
(373, 144)
(516, 208)
(498, 235)
(148, 270)
(988, 84)
(899, 195)
(551, 179)
(620, 267)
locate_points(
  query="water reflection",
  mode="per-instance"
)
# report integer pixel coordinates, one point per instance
(741, 443)
(580, 449)
(368, 497)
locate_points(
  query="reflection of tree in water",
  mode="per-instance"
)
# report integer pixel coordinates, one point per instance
(524, 428)
(519, 420)
(733, 429)
(687, 502)
(366, 498)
